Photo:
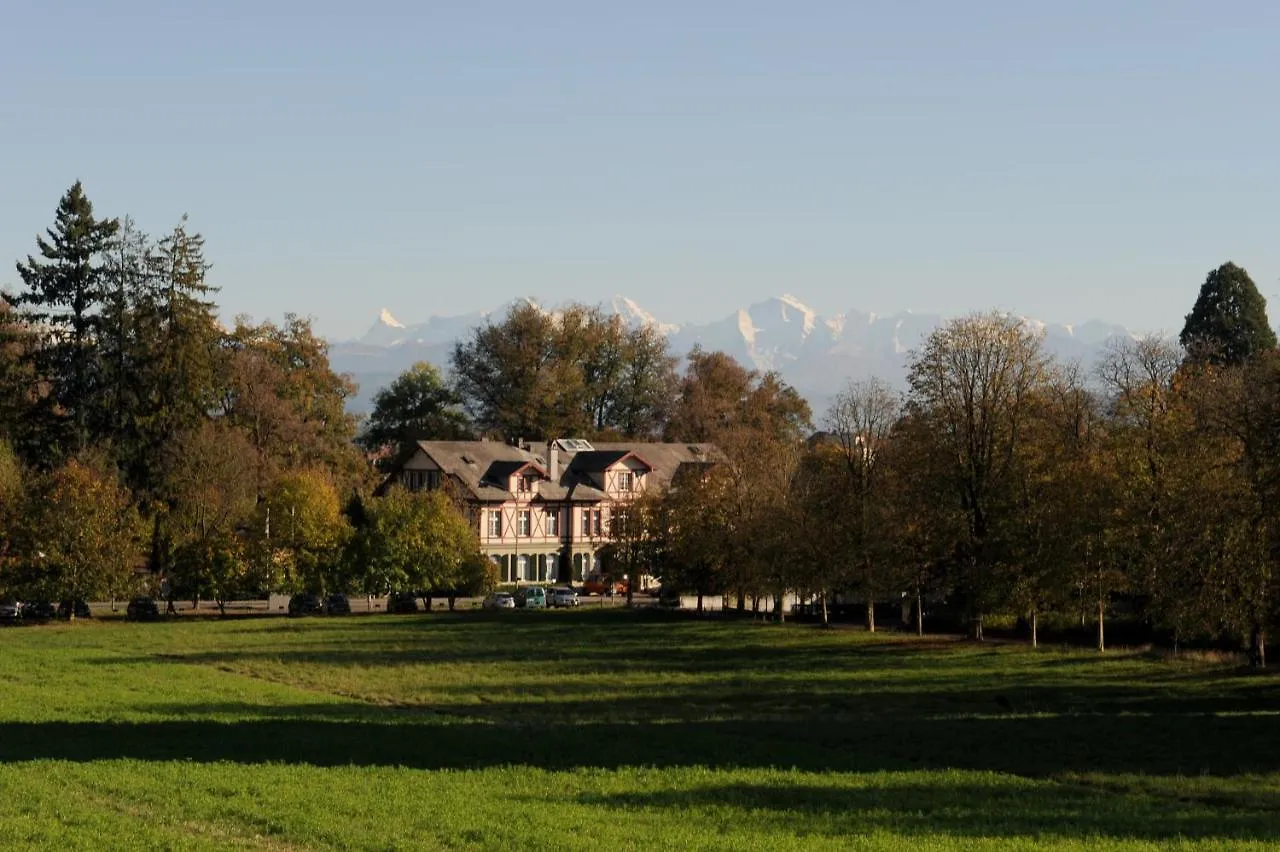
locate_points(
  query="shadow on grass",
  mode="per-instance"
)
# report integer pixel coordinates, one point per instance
(981, 810)
(1029, 746)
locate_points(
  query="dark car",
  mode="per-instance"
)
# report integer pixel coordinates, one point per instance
(305, 604)
(39, 611)
(77, 607)
(10, 612)
(337, 605)
(402, 602)
(142, 609)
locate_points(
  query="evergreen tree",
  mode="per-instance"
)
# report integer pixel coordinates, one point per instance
(63, 296)
(1228, 324)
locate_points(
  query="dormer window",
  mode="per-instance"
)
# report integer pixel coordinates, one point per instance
(626, 481)
(524, 483)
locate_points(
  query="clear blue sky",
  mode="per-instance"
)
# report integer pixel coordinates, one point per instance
(1066, 160)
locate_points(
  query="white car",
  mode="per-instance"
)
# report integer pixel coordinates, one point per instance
(499, 600)
(563, 597)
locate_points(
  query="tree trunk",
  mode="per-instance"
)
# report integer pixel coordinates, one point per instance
(1035, 639)
(975, 627)
(1102, 643)
(1258, 648)
(453, 600)
(871, 616)
(826, 618)
(777, 605)
(222, 607)
(919, 613)
(699, 603)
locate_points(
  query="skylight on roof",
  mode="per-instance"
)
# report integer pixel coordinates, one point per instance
(575, 445)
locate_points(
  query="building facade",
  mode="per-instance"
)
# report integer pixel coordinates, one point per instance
(544, 512)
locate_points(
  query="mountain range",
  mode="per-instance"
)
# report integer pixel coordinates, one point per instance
(816, 354)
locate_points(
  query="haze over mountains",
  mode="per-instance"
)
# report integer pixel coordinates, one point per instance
(816, 354)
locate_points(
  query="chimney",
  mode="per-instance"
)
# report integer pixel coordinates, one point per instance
(553, 461)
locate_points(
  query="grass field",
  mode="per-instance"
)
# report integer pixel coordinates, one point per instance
(618, 730)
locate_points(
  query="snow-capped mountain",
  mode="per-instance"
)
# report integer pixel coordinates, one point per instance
(816, 354)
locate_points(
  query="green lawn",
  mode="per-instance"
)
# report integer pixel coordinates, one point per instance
(613, 730)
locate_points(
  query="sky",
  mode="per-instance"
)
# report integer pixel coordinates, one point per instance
(1067, 161)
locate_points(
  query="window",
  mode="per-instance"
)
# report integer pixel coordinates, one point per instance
(417, 480)
(525, 522)
(522, 568)
(592, 522)
(625, 481)
(553, 567)
(495, 524)
(553, 522)
(524, 483)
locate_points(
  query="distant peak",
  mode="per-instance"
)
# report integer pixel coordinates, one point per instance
(792, 301)
(387, 319)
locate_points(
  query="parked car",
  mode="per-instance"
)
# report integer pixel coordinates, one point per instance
(142, 609)
(78, 607)
(668, 597)
(532, 597)
(499, 600)
(402, 602)
(562, 597)
(337, 605)
(601, 584)
(39, 611)
(10, 612)
(305, 603)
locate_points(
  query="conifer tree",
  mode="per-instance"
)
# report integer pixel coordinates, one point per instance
(1228, 324)
(62, 300)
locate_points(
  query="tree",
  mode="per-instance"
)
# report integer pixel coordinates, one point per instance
(275, 384)
(512, 382)
(717, 395)
(212, 493)
(1228, 323)
(861, 418)
(536, 374)
(417, 406)
(971, 383)
(18, 387)
(414, 540)
(63, 295)
(80, 533)
(303, 529)
(1148, 434)
(11, 485)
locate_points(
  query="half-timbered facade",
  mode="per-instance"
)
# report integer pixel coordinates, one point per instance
(543, 512)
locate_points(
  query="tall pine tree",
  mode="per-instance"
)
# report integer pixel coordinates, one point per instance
(61, 302)
(1228, 324)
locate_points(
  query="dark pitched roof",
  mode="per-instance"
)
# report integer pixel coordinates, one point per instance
(484, 468)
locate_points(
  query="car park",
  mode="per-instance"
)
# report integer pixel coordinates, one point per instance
(10, 612)
(563, 597)
(402, 602)
(499, 600)
(77, 607)
(142, 609)
(337, 605)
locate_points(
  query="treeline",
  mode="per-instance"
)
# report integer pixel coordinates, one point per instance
(142, 441)
(1005, 482)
